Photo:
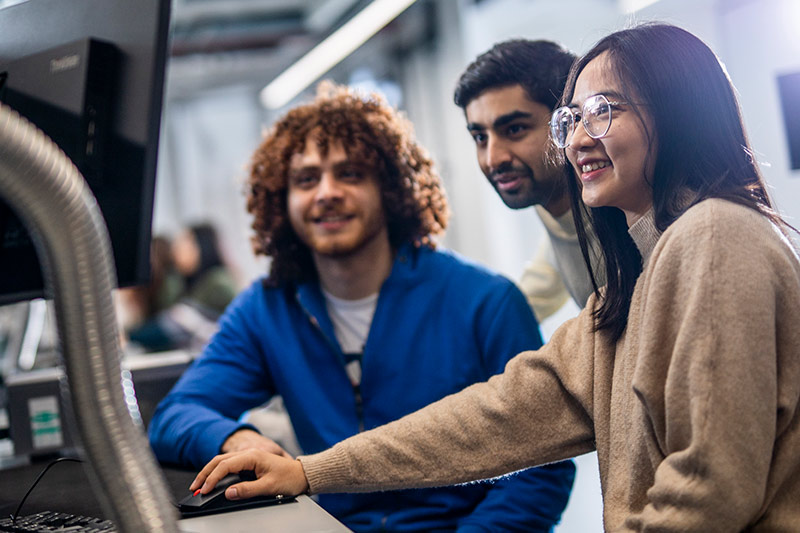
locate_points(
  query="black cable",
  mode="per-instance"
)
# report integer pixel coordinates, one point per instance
(36, 482)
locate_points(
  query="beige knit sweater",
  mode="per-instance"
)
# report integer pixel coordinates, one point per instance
(694, 412)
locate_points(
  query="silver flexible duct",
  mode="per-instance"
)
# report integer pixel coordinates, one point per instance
(51, 198)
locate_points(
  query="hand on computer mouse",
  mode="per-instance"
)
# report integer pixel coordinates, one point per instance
(214, 498)
(275, 475)
(214, 501)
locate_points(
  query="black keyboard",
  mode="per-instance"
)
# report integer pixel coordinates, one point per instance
(53, 522)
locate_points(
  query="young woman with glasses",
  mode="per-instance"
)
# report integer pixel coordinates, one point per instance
(683, 372)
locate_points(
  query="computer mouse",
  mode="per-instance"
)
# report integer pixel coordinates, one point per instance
(198, 501)
(215, 501)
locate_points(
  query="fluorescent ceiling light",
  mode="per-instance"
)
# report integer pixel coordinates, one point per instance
(632, 6)
(329, 52)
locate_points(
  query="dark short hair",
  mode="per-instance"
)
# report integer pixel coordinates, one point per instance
(701, 145)
(373, 133)
(540, 67)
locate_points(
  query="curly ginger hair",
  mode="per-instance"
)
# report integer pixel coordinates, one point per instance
(372, 133)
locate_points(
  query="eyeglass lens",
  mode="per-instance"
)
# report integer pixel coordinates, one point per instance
(595, 115)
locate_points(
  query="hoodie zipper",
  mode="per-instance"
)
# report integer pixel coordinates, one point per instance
(359, 401)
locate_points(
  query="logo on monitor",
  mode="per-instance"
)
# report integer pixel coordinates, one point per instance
(61, 64)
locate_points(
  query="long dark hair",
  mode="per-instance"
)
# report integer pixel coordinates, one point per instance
(205, 237)
(701, 149)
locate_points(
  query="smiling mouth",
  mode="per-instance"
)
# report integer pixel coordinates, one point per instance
(509, 181)
(331, 218)
(596, 165)
(332, 221)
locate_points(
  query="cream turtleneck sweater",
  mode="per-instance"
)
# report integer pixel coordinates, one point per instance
(694, 412)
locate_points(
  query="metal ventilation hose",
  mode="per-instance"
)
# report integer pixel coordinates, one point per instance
(53, 201)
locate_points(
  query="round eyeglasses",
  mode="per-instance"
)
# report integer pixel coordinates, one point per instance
(595, 116)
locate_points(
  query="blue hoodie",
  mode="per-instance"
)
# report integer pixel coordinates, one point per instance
(440, 324)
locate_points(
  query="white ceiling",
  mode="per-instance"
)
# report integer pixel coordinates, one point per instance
(216, 43)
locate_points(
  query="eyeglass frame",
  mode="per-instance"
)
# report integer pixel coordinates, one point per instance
(579, 117)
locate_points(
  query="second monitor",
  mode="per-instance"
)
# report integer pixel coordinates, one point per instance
(89, 73)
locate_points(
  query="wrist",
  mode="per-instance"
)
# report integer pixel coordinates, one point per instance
(229, 444)
(306, 487)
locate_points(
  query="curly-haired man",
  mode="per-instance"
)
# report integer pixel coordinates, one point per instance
(360, 321)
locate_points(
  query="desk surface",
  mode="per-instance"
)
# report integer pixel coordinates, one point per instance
(65, 488)
(303, 514)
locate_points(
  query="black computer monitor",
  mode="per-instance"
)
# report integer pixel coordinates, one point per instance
(90, 74)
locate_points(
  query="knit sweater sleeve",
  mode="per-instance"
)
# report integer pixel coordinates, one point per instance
(713, 378)
(537, 411)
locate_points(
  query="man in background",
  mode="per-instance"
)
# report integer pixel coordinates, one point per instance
(361, 319)
(508, 95)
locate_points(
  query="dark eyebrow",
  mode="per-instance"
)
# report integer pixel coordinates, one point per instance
(349, 163)
(614, 95)
(296, 171)
(611, 95)
(501, 120)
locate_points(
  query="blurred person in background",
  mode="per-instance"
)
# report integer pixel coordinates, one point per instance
(209, 283)
(140, 304)
(189, 290)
